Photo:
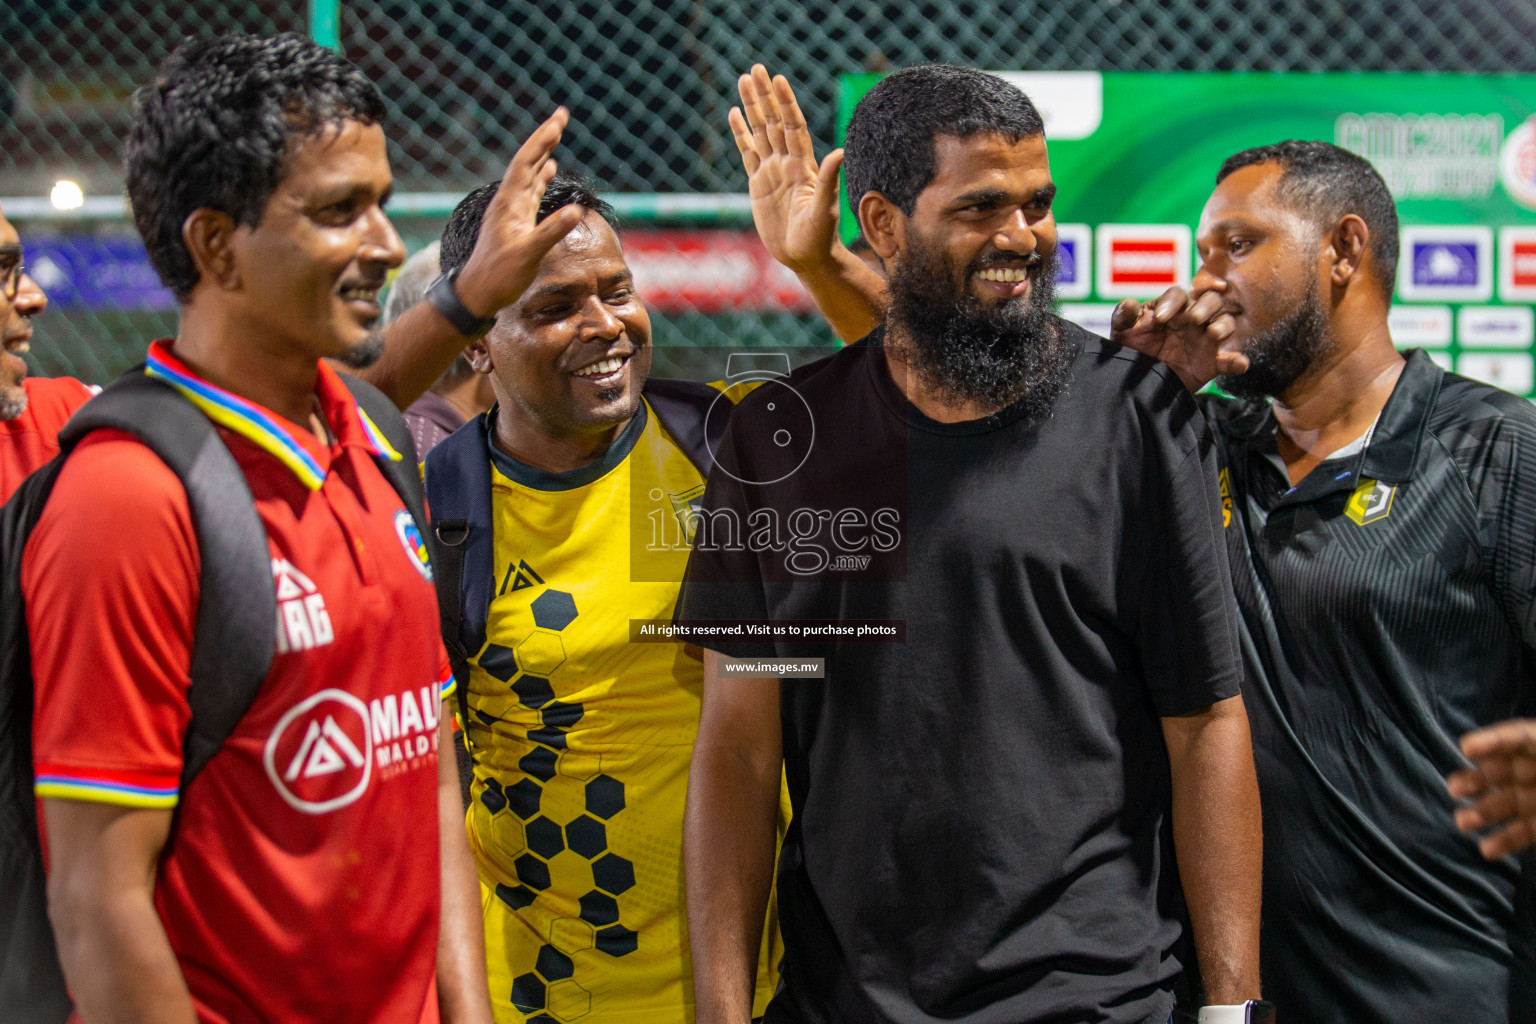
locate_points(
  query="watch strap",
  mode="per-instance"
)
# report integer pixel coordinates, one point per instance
(445, 299)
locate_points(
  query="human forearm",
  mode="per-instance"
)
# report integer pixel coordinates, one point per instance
(462, 993)
(418, 346)
(1218, 840)
(729, 833)
(116, 958)
(850, 295)
(728, 840)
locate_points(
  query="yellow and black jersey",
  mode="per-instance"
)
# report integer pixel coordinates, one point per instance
(582, 741)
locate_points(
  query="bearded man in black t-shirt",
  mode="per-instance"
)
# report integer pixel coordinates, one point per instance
(992, 817)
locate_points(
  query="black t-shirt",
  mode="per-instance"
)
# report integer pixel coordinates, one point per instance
(980, 826)
(1389, 606)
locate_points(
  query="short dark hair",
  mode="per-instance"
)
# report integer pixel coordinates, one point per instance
(463, 227)
(1324, 183)
(217, 126)
(889, 145)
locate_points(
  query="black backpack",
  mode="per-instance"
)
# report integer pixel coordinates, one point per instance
(459, 495)
(232, 644)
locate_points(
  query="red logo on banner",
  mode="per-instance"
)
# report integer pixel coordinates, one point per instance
(1523, 256)
(1143, 261)
(711, 272)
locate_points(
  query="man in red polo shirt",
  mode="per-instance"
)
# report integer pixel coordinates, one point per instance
(32, 409)
(304, 882)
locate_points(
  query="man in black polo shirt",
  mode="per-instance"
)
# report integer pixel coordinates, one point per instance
(986, 815)
(1381, 523)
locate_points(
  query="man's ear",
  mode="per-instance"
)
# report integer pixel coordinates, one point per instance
(1350, 242)
(209, 236)
(479, 355)
(883, 223)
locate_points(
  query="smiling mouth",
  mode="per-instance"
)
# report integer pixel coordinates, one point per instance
(19, 344)
(1006, 275)
(360, 293)
(605, 371)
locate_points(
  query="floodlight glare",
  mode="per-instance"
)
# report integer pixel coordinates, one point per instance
(66, 195)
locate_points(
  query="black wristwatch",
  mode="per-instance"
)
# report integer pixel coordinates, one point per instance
(445, 299)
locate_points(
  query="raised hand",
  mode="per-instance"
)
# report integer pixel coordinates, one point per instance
(794, 201)
(512, 240)
(1186, 334)
(1501, 784)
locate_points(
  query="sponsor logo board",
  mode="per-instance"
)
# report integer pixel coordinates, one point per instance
(1517, 264)
(1446, 263)
(1512, 371)
(1420, 326)
(1090, 316)
(1495, 327)
(1140, 261)
(1517, 164)
(1074, 261)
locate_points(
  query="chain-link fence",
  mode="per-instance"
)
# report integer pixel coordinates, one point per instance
(648, 83)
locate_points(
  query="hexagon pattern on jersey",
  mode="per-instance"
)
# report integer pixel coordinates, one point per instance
(553, 609)
(551, 993)
(499, 661)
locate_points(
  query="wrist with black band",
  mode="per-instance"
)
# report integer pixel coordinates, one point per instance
(444, 297)
(1254, 1011)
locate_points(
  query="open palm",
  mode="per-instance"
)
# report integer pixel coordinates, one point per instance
(794, 201)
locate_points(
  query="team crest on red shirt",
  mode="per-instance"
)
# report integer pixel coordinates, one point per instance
(320, 754)
(415, 546)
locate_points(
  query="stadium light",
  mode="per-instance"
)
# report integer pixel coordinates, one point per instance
(66, 195)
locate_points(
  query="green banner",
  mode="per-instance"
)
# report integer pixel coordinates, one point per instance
(1135, 155)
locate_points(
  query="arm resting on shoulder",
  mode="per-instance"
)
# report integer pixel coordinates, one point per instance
(101, 882)
(463, 996)
(729, 835)
(1218, 838)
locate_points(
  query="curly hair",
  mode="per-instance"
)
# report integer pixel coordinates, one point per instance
(217, 126)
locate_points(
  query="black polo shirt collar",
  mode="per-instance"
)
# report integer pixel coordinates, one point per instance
(1392, 453)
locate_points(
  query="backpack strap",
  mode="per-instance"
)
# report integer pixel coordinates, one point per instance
(458, 484)
(683, 407)
(31, 981)
(404, 473)
(237, 606)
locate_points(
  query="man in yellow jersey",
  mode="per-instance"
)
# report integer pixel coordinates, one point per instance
(581, 739)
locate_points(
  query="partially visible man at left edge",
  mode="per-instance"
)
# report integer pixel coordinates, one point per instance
(32, 409)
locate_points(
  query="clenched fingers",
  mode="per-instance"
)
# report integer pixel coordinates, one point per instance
(1514, 737)
(1128, 312)
(1498, 806)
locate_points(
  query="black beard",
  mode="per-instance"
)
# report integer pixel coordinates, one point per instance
(1282, 355)
(968, 353)
(365, 353)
